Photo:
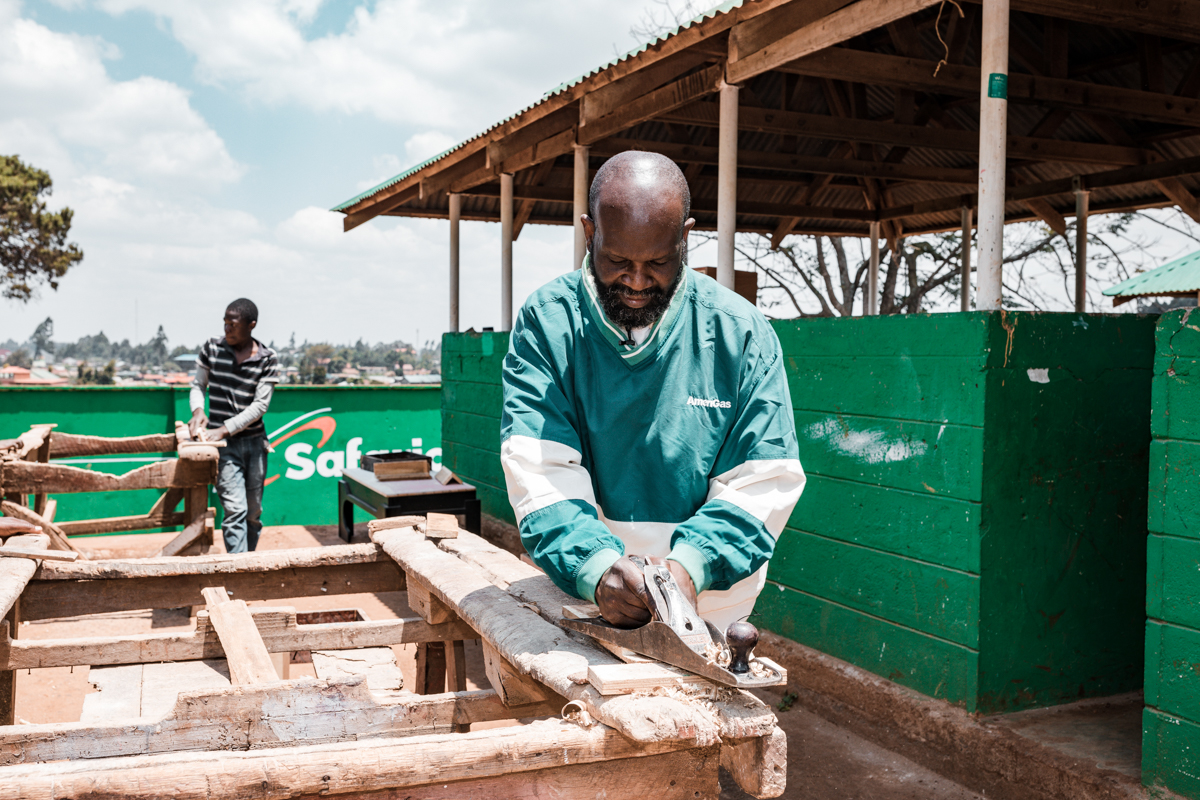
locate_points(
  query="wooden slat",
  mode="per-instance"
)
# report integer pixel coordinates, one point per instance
(15, 574)
(841, 63)
(33, 478)
(673, 95)
(67, 445)
(607, 99)
(611, 679)
(161, 515)
(37, 555)
(254, 717)
(838, 27)
(249, 661)
(820, 126)
(276, 626)
(368, 764)
(1174, 19)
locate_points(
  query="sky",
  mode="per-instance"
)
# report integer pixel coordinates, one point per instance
(201, 144)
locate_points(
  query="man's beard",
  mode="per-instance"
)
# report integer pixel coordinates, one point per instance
(629, 318)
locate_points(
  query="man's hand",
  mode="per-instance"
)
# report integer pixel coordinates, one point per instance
(216, 435)
(622, 595)
(198, 424)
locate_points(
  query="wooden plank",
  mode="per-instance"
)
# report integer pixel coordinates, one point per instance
(161, 515)
(376, 664)
(68, 445)
(608, 99)
(284, 714)
(37, 555)
(878, 69)
(427, 606)
(753, 34)
(276, 626)
(1174, 19)
(33, 478)
(337, 767)
(822, 126)
(514, 688)
(456, 666)
(163, 683)
(15, 573)
(248, 659)
(196, 527)
(430, 673)
(58, 540)
(758, 765)
(118, 695)
(515, 626)
(610, 679)
(51, 598)
(673, 95)
(441, 526)
(690, 774)
(838, 27)
(383, 202)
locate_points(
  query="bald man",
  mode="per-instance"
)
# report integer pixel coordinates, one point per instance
(646, 413)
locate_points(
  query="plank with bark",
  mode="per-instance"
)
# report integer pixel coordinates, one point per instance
(277, 627)
(301, 712)
(58, 540)
(27, 477)
(69, 445)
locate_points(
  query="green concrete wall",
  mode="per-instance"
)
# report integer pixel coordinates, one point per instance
(317, 430)
(974, 522)
(1171, 721)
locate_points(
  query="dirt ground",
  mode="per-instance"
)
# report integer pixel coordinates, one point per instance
(824, 760)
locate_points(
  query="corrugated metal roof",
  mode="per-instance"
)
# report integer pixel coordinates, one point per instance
(722, 8)
(1180, 275)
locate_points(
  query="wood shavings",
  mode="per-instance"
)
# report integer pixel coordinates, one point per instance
(575, 712)
(717, 653)
(758, 670)
(532, 607)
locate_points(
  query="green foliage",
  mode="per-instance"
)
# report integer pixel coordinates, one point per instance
(786, 703)
(33, 241)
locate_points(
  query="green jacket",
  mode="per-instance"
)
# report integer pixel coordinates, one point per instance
(682, 446)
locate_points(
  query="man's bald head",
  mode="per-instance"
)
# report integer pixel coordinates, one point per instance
(649, 184)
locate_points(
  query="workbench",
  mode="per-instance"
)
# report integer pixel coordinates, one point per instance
(360, 487)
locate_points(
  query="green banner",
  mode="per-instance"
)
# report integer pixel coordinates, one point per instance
(315, 431)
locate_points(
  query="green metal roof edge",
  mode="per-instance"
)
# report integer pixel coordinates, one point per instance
(722, 8)
(1180, 275)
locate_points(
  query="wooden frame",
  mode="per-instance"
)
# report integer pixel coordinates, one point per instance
(264, 736)
(25, 470)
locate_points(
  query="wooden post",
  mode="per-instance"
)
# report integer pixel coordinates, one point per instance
(1081, 231)
(506, 242)
(582, 152)
(964, 298)
(8, 677)
(993, 135)
(727, 184)
(431, 668)
(871, 302)
(455, 216)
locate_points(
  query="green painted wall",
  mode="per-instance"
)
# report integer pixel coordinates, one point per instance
(1171, 721)
(471, 406)
(315, 430)
(974, 522)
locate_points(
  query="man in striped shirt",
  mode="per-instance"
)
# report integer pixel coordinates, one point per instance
(239, 374)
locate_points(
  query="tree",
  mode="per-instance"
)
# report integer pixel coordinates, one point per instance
(42, 337)
(19, 358)
(33, 241)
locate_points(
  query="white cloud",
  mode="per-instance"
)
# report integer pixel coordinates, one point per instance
(426, 145)
(62, 110)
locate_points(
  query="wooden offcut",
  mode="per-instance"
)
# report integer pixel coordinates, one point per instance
(441, 526)
(248, 659)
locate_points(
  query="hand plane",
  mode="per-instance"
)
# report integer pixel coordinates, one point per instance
(676, 635)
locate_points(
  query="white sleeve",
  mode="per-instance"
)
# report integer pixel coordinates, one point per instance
(254, 412)
(199, 387)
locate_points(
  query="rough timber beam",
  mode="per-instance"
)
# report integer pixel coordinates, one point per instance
(1173, 19)
(860, 66)
(66, 445)
(819, 126)
(382, 205)
(851, 21)
(681, 92)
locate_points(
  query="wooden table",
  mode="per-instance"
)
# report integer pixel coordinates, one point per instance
(360, 487)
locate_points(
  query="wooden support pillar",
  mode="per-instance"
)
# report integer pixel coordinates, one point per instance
(727, 184)
(1081, 230)
(8, 677)
(455, 218)
(580, 200)
(431, 668)
(964, 298)
(871, 302)
(14, 575)
(993, 135)
(506, 243)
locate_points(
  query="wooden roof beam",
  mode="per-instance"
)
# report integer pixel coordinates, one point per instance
(1174, 19)
(820, 126)
(679, 93)
(955, 79)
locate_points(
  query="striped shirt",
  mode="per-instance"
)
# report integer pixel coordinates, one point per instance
(232, 386)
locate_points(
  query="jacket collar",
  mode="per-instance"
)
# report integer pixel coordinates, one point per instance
(631, 354)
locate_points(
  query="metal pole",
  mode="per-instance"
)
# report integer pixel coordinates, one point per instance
(455, 216)
(871, 303)
(727, 184)
(1081, 226)
(581, 201)
(964, 298)
(993, 136)
(506, 240)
